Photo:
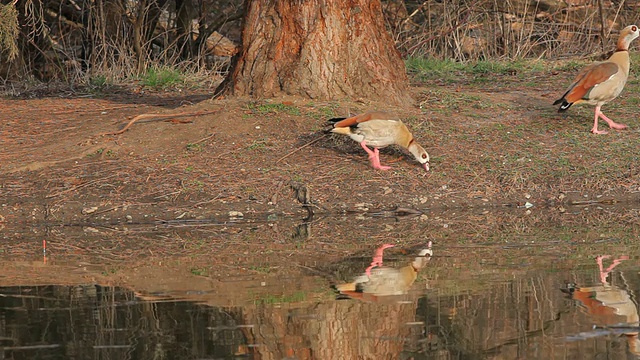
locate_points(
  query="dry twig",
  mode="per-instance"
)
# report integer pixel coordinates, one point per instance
(79, 186)
(301, 147)
(204, 139)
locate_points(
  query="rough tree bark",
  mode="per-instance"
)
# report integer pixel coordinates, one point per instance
(321, 49)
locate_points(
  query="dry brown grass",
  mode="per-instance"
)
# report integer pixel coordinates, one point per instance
(55, 47)
(511, 29)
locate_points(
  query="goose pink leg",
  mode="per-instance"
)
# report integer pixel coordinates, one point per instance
(377, 258)
(374, 156)
(612, 124)
(605, 273)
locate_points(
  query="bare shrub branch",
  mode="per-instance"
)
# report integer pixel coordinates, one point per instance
(506, 29)
(9, 30)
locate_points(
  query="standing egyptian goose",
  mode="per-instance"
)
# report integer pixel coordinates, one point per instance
(601, 82)
(378, 129)
(379, 280)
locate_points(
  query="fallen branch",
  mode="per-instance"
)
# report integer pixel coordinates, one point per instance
(158, 117)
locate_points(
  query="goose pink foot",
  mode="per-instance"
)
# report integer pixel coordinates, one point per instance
(374, 157)
(612, 124)
(377, 258)
(376, 161)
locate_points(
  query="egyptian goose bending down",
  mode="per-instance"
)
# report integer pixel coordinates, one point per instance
(378, 129)
(379, 280)
(601, 82)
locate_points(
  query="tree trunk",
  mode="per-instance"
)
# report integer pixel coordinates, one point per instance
(321, 49)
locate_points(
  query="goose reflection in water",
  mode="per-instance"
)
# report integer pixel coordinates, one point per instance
(379, 280)
(612, 308)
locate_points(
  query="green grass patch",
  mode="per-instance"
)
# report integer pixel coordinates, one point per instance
(260, 269)
(635, 57)
(99, 81)
(160, 78)
(323, 112)
(571, 65)
(427, 69)
(273, 108)
(199, 271)
(110, 271)
(269, 299)
(195, 147)
(423, 69)
(98, 152)
(452, 100)
(259, 144)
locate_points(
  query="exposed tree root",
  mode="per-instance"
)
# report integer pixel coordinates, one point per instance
(158, 117)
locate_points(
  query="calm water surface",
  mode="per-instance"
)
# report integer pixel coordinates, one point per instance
(509, 285)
